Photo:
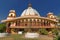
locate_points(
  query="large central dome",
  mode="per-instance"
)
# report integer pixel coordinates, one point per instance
(30, 12)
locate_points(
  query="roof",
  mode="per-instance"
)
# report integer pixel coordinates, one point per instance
(17, 18)
(30, 12)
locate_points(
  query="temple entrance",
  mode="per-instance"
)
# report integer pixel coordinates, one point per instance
(48, 29)
(20, 31)
(50, 33)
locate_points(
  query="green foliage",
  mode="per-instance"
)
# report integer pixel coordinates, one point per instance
(57, 38)
(58, 16)
(2, 27)
(43, 31)
(55, 31)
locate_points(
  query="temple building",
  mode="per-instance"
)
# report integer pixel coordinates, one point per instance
(29, 21)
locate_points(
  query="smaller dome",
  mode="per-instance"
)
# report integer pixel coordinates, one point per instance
(30, 12)
(12, 14)
(50, 13)
(12, 11)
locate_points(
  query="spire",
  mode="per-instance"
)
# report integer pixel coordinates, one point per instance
(29, 5)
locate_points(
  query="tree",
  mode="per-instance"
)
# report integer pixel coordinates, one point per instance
(2, 27)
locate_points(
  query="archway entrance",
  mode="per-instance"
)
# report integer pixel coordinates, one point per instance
(20, 31)
(48, 29)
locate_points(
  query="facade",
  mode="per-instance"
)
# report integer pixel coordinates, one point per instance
(29, 21)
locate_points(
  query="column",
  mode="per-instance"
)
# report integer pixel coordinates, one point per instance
(25, 22)
(36, 22)
(42, 22)
(39, 22)
(32, 22)
(48, 23)
(28, 22)
(21, 22)
(18, 23)
(8, 27)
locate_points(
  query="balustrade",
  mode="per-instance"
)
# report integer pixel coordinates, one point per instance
(32, 23)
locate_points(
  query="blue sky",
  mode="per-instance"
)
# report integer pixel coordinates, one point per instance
(42, 6)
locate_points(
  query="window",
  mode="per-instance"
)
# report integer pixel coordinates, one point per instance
(11, 15)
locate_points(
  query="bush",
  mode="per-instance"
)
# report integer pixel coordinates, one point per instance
(2, 27)
(43, 31)
(55, 31)
(57, 38)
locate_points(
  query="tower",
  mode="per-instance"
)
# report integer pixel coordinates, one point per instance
(51, 16)
(12, 14)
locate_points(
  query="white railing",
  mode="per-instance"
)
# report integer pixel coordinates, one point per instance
(3, 34)
(31, 35)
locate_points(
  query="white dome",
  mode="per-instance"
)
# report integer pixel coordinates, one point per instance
(30, 12)
(50, 13)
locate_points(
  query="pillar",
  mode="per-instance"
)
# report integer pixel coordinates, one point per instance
(7, 27)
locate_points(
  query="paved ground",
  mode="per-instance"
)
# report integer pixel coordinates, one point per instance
(44, 37)
(15, 37)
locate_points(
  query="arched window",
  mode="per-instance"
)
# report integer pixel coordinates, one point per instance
(11, 15)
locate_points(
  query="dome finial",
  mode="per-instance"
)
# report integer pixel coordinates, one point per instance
(29, 5)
